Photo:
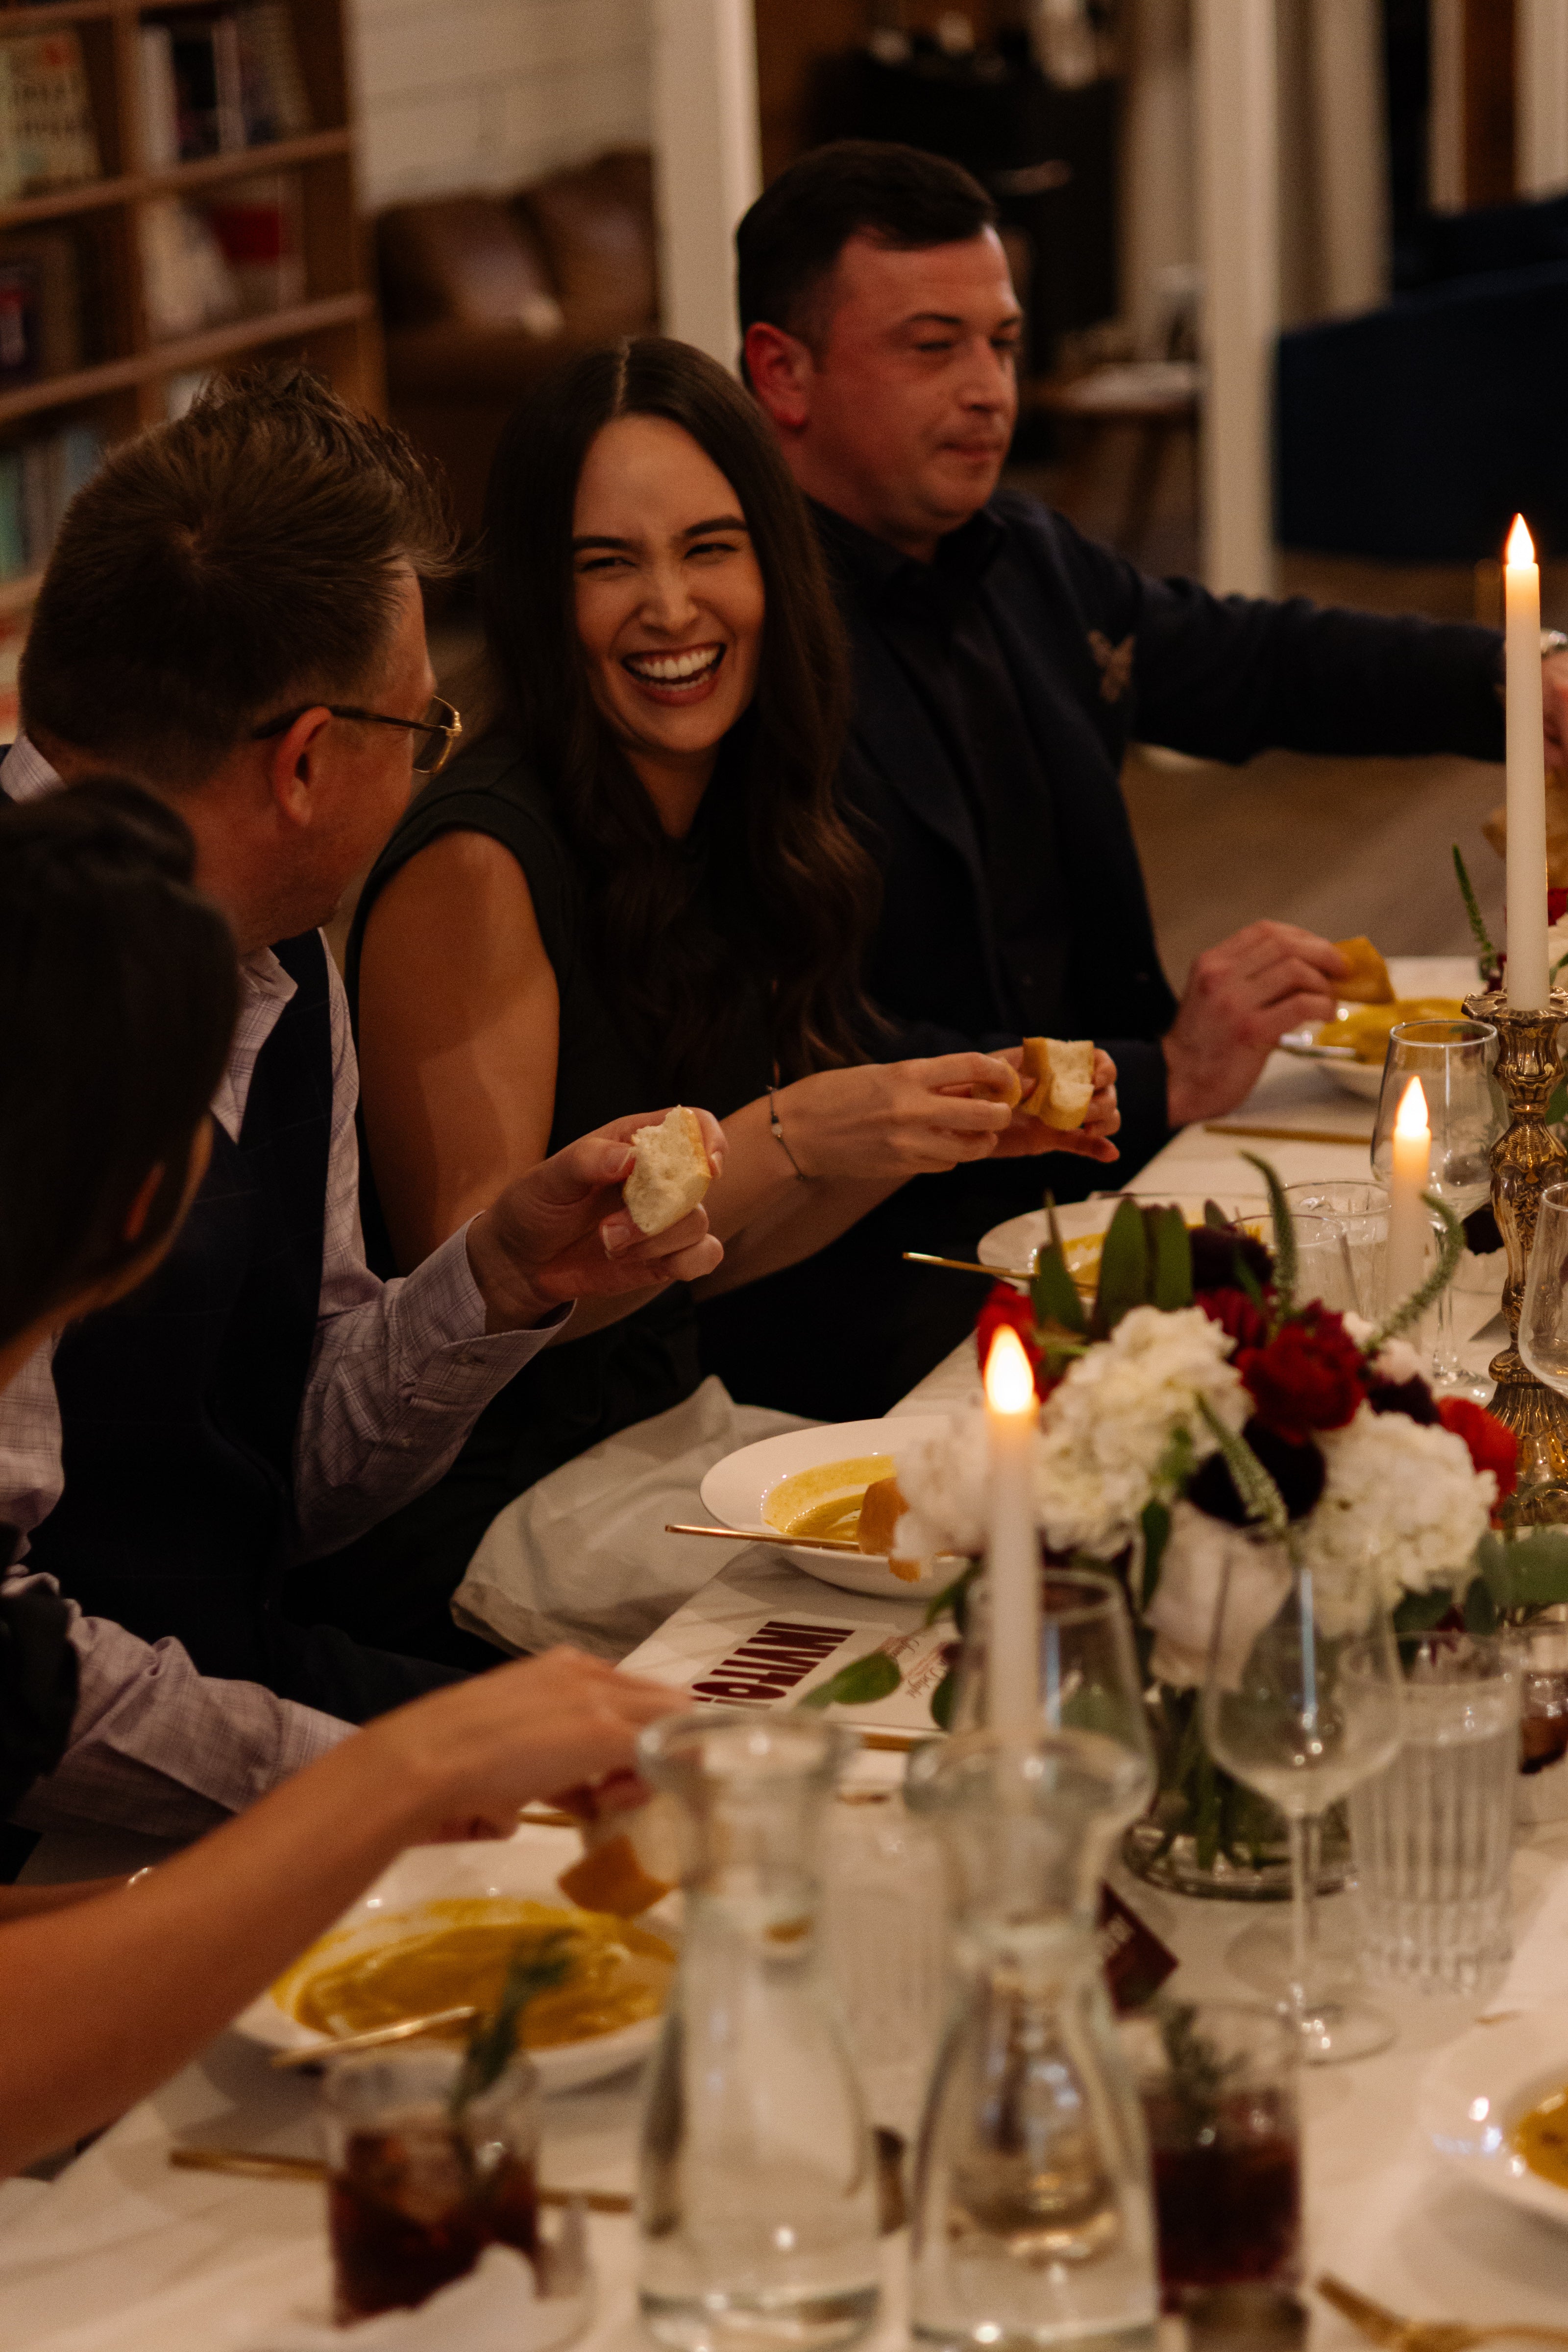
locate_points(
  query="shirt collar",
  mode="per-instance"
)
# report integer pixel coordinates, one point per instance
(963, 557)
(25, 773)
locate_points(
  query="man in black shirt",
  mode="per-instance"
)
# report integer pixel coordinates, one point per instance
(1003, 664)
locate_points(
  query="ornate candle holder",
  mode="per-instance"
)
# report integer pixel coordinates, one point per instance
(1525, 1158)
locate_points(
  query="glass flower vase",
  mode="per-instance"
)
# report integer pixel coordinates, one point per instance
(757, 2208)
(1033, 2223)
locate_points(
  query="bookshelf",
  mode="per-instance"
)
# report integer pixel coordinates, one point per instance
(134, 365)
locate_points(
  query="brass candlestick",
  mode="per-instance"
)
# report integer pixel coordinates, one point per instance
(1525, 1158)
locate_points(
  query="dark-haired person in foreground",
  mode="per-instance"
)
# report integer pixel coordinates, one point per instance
(232, 617)
(117, 991)
(1002, 663)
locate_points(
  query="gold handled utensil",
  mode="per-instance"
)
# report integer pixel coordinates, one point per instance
(1286, 1134)
(375, 2037)
(1383, 2327)
(254, 2165)
(969, 1265)
(794, 1543)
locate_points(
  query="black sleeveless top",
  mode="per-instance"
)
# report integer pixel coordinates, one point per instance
(178, 1405)
(575, 1394)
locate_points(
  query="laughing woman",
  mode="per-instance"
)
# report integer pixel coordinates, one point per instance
(639, 877)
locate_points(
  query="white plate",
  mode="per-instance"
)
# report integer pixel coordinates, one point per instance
(736, 1491)
(1013, 1245)
(1474, 2092)
(524, 1864)
(1361, 1079)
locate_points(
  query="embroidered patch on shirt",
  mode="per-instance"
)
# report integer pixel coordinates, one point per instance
(1115, 665)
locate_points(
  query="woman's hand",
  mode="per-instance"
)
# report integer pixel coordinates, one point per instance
(1091, 1141)
(542, 1726)
(887, 1120)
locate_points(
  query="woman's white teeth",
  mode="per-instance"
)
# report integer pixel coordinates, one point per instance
(674, 669)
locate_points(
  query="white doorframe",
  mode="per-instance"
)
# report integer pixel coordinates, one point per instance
(1540, 83)
(1234, 78)
(707, 162)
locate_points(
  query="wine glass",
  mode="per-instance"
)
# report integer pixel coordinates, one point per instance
(1361, 1214)
(1467, 1113)
(1543, 1310)
(1302, 1703)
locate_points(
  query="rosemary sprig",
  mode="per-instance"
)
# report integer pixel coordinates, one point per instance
(1450, 1251)
(1261, 1498)
(536, 1968)
(1486, 954)
(1284, 1251)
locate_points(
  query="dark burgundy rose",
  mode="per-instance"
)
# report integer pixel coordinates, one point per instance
(1216, 1254)
(1412, 1397)
(1297, 1470)
(1308, 1377)
(1236, 1314)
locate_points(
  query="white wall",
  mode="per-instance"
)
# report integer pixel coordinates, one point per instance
(490, 93)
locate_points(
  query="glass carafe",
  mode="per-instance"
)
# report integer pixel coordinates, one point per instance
(757, 2197)
(1033, 2216)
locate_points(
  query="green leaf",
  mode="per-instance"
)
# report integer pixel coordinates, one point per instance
(1284, 1250)
(1481, 1613)
(951, 1600)
(1123, 1269)
(537, 1965)
(1557, 1109)
(1172, 1251)
(1485, 950)
(1215, 1219)
(1525, 1571)
(1156, 1522)
(1418, 1612)
(942, 1700)
(859, 1684)
(1053, 1289)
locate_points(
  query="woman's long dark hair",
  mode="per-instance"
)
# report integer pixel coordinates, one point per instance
(117, 992)
(788, 892)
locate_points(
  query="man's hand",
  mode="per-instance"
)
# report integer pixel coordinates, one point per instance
(1555, 708)
(1091, 1141)
(1242, 996)
(563, 1231)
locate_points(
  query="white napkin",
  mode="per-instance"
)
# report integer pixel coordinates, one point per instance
(494, 2309)
(583, 1555)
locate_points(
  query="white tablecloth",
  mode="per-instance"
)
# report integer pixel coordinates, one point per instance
(120, 2228)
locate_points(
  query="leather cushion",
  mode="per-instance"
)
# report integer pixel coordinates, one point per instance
(475, 259)
(595, 223)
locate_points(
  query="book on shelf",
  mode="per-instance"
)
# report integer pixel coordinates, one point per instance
(187, 282)
(220, 81)
(257, 223)
(46, 134)
(40, 305)
(38, 478)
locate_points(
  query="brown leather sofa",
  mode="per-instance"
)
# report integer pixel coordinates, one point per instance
(482, 294)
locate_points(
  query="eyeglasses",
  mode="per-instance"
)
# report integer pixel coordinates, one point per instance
(437, 733)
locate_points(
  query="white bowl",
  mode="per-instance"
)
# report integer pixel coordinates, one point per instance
(524, 1864)
(736, 1491)
(1011, 1247)
(1477, 2090)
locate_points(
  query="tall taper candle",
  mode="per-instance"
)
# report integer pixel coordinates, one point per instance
(1409, 1218)
(1013, 1551)
(1528, 984)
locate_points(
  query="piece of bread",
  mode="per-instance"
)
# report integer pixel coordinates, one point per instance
(881, 1509)
(1062, 1070)
(1367, 980)
(611, 1878)
(671, 1174)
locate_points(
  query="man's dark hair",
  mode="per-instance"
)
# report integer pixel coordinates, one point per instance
(118, 992)
(790, 241)
(221, 567)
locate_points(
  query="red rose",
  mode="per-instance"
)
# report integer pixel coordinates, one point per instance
(1556, 905)
(1008, 1305)
(1492, 1447)
(1308, 1377)
(1237, 1317)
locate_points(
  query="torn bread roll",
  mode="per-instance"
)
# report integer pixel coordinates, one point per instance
(1062, 1070)
(1367, 980)
(671, 1172)
(880, 1510)
(631, 1862)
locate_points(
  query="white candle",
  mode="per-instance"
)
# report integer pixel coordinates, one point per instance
(1528, 985)
(1013, 1555)
(1409, 1218)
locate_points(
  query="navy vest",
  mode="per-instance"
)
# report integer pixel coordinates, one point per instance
(179, 1405)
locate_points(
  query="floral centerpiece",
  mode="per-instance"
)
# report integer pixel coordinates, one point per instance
(1196, 1421)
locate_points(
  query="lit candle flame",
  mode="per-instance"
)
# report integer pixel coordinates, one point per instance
(1520, 547)
(1009, 1382)
(1412, 1117)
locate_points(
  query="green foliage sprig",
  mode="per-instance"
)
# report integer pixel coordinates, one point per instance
(538, 1965)
(1450, 1251)
(1284, 1250)
(1486, 954)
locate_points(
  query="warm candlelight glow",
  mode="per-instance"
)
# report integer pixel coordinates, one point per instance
(1009, 1382)
(1520, 547)
(1412, 1116)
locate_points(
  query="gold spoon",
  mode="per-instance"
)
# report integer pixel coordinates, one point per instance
(968, 1266)
(796, 1543)
(254, 2165)
(375, 2037)
(1386, 2328)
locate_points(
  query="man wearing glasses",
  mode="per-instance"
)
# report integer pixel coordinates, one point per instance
(232, 616)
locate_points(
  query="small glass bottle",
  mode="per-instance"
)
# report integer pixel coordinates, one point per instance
(757, 2198)
(1033, 2219)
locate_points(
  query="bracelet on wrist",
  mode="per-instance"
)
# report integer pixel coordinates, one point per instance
(773, 1121)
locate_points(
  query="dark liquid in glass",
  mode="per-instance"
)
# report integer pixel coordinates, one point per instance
(407, 2214)
(1228, 2190)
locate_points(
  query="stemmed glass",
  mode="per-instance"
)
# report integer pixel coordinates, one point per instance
(1302, 1701)
(1467, 1113)
(1543, 1310)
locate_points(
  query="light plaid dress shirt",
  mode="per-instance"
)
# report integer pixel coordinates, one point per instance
(399, 1373)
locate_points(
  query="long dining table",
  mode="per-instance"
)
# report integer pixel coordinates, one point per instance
(121, 2250)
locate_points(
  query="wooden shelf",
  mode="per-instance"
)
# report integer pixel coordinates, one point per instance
(213, 343)
(274, 155)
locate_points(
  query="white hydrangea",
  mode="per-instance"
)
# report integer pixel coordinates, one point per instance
(1402, 1496)
(1396, 1361)
(941, 1477)
(1107, 1425)
(1200, 1556)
